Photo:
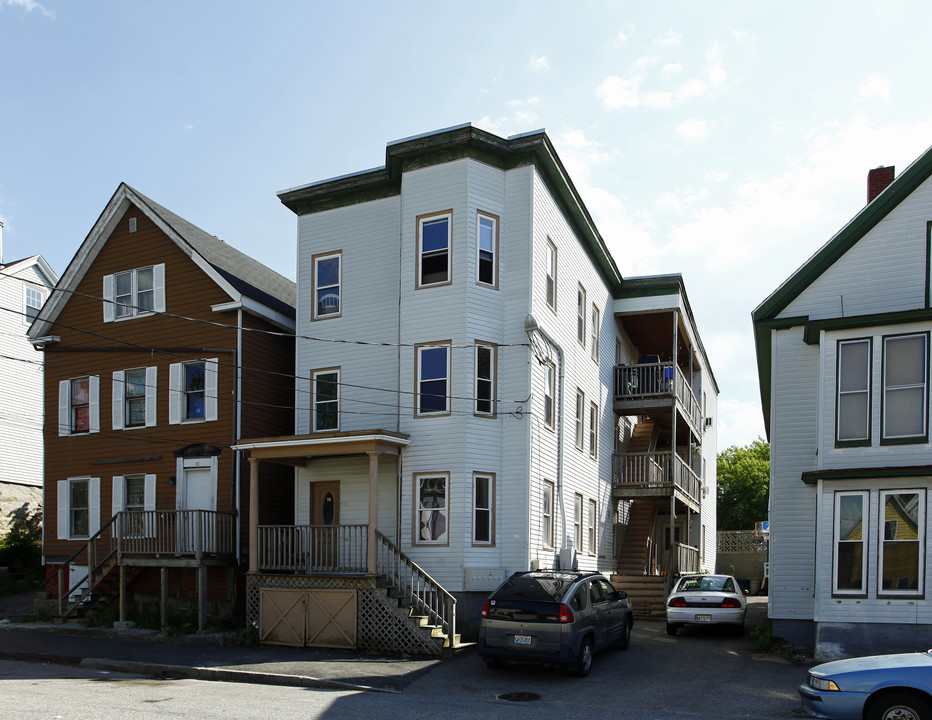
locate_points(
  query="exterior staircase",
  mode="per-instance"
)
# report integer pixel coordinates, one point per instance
(646, 592)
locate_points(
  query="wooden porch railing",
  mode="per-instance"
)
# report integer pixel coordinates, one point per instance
(657, 380)
(656, 470)
(429, 597)
(310, 549)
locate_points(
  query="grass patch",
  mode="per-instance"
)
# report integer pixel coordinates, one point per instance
(763, 636)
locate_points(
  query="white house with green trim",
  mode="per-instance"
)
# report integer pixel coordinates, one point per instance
(843, 359)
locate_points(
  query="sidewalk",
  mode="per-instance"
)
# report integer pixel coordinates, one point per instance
(204, 657)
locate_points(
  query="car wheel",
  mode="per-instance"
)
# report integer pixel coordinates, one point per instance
(584, 659)
(672, 628)
(625, 640)
(899, 706)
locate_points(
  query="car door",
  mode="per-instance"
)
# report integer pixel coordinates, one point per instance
(601, 614)
(614, 609)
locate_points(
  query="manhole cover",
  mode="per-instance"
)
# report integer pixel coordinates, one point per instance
(519, 697)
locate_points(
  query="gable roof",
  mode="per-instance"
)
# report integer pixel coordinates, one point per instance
(249, 284)
(37, 261)
(766, 316)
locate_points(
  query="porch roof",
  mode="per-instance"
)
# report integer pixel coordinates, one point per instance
(292, 448)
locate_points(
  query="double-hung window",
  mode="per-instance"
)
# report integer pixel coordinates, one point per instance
(549, 394)
(192, 391)
(550, 260)
(487, 249)
(433, 248)
(134, 293)
(546, 513)
(901, 548)
(327, 400)
(134, 495)
(79, 405)
(485, 379)
(578, 522)
(593, 430)
(134, 393)
(433, 380)
(432, 509)
(581, 315)
(327, 285)
(594, 333)
(850, 550)
(78, 508)
(591, 526)
(852, 407)
(33, 300)
(580, 410)
(483, 516)
(905, 391)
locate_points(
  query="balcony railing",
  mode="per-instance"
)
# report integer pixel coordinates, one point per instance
(165, 533)
(311, 549)
(652, 470)
(657, 380)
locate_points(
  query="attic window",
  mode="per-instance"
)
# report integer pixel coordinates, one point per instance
(132, 224)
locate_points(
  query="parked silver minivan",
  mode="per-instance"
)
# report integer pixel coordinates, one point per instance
(558, 617)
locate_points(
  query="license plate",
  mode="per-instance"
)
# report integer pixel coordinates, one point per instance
(703, 618)
(522, 639)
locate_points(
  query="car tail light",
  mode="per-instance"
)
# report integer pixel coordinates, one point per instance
(730, 603)
(485, 609)
(565, 615)
(677, 602)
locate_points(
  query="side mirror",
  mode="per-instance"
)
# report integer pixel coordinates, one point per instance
(621, 595)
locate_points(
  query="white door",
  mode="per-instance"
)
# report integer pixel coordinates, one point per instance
(197, 490)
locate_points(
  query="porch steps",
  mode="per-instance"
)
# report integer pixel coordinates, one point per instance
(634, 548)
(406, 606)
(646, 592)
(642, 437)
(102, 589)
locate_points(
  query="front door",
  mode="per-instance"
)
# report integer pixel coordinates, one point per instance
(197, 492)
(325, 519)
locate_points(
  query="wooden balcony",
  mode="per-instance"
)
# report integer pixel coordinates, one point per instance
(655, 388)
(313, 549)
(174, 537)
(655, 474)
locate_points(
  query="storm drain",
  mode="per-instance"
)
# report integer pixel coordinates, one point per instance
(519, 697)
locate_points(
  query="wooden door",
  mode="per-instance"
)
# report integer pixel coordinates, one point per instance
(325, 517)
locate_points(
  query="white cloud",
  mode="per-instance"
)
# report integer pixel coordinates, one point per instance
(657, 99)
(29, 6)
(876, 86)
(672, 68)
(538, 63)
(744, 36)
(624, 34)
(690, 89)
(669, 39)
(526, 101)
(616, 92)
(716, 72)
(693, 129)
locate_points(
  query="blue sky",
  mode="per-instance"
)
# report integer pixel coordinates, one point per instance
(726, 141)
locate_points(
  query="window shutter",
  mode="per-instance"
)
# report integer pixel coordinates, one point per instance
(152, 376)
(210, 389)
(119, 390)
(158, 288)
(94, 506)
(64, 408)
(63, 502)
(174, 393)
(117, 495)
(93, 386)
(149, 500)
(109, 307)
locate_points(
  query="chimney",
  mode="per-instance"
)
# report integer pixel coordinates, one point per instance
(877, 181)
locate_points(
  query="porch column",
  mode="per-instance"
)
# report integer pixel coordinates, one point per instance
(372, 554)
(253, 515)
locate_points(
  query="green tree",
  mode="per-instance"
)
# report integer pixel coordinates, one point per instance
(743, 485)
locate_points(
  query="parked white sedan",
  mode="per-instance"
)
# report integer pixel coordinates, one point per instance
(706, 600)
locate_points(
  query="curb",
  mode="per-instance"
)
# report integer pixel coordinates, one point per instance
(159, 670)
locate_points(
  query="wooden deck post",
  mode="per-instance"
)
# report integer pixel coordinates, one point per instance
(253, 515)
(202, 598)
(163, 605)
(122, 593)
(371, 549)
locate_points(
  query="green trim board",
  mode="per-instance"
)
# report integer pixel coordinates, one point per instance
(813, 329)
(879, 473)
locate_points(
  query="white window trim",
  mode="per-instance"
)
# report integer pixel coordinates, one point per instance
(491, 380)
(547, 511)
(448, 380)
(925, 389)
(550, 274)
(27, 288)
(315, 375)
(578, 522)
(339, 286)
(421, 221)
(580, 419)
(592, 527)
(118, 407)
(921, 537)
(444, 539)
(480, 216)
(176, 394)
(581, 316)
(594, 332)
(118, 503)
(64, 406)
(64, 503)
(550, 373)
(158, 294)
(593, 431)
(867, 390)
(490, 479)
(865, 537)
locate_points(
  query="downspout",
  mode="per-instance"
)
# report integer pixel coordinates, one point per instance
(530, 326)
(237, 431)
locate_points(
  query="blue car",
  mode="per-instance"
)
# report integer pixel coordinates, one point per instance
(880, 687)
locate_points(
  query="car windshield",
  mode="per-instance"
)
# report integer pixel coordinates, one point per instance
(536, 587)
(711, 583)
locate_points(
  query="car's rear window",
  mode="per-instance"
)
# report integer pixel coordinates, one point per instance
(711, 583)
(535, 587)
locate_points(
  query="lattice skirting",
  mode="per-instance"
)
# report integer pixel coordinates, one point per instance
(381, 624)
